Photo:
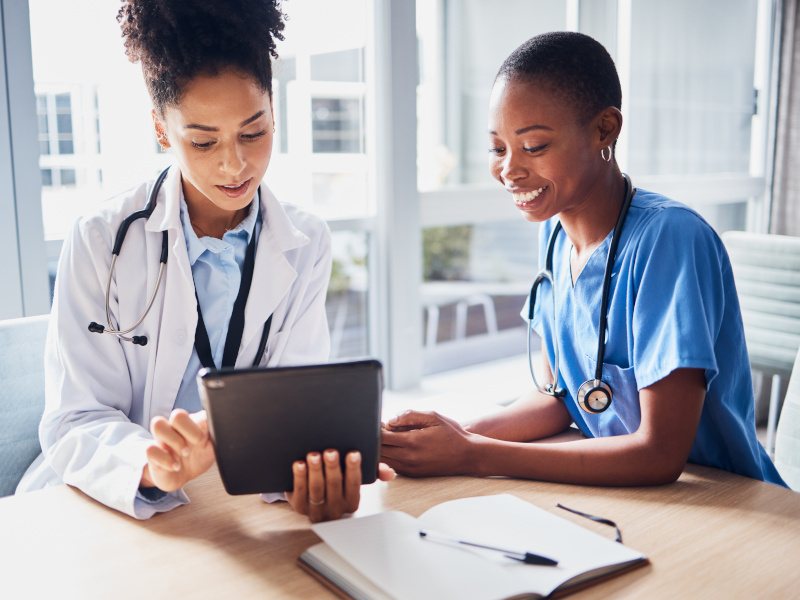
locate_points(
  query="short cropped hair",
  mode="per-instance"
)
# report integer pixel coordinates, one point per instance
(574, 65)
(177, 40)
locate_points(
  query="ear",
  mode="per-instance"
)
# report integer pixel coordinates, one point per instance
(609, 126)
(160, 129)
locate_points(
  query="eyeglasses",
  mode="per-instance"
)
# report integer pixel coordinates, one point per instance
(596, 519)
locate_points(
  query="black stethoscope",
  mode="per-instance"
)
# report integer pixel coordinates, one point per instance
(595, 395)
(201, 341)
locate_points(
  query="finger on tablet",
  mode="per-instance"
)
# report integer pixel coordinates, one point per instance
(316, 487)
(385, 472)
(352, 488)
(184, 425)
(299, 494)
(333, 479)
(165, 433)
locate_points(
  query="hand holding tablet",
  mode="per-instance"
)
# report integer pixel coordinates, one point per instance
(322, 491)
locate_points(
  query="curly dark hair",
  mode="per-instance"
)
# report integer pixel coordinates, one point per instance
(176, 40)
(577, 67)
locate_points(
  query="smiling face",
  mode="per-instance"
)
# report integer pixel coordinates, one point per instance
(541, 150)
(221, 135)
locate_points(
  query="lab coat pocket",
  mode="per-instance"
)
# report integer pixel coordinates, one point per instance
(624, 414)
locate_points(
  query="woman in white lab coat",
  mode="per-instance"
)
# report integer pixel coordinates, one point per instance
(208, 70)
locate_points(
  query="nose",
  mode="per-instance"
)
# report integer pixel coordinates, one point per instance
(232, 159)
(511, 167)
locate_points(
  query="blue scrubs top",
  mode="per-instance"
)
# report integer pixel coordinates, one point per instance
(673, 304)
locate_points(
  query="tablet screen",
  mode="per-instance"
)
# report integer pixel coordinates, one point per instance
(263, 419)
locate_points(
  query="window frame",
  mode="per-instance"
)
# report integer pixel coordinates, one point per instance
(24, 267)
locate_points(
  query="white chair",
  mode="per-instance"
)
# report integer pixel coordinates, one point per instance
(463, 294)
(787, 438)
(21, 396)
(767, 272)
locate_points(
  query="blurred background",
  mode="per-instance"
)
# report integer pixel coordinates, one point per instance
(381, 129)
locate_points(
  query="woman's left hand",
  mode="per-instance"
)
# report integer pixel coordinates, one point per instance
(322, 492)
(423, 444)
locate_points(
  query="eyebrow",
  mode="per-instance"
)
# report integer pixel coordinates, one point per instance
(247, 121)
(527, 129)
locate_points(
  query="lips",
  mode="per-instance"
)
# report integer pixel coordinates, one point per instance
(525, 199)
(235, 190)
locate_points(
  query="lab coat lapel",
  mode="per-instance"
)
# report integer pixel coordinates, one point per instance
(273, 275)
(179, 312)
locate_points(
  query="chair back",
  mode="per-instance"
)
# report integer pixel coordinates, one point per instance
(21, 396)
(767, 272)
(787, 439)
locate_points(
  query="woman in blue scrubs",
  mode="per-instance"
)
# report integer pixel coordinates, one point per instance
(674, 353)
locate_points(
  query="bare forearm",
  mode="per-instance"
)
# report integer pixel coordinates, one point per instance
(533, 416)
(620, 460)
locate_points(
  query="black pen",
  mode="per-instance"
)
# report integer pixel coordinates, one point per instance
(529, 558)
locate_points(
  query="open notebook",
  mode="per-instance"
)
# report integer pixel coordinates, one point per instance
(383, 555)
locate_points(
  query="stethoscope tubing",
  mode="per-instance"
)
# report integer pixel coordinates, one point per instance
(552, 389)
(122, 333)
(118, 241)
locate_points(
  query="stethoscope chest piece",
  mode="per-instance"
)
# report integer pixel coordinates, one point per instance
(594, 396)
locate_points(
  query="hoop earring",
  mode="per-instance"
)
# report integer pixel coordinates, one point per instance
(610, 153)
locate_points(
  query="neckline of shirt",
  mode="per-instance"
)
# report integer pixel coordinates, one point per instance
(196, 246)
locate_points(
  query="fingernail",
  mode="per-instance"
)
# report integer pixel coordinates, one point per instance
(354, 457)
(330, 455)
(314, 459)
(300, 466)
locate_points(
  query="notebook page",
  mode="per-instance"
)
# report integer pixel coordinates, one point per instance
(509, 522)
(386, 548)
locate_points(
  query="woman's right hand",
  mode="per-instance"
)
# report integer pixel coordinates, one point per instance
(181, 451)
(322, 491)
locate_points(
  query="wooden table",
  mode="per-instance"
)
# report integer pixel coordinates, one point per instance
(711, 534)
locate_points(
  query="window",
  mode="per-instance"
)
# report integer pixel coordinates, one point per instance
(336, 125)
(56, 138)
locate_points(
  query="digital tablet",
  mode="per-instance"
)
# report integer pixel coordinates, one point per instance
(263, 419)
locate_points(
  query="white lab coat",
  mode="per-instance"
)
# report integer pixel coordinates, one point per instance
(101, 393)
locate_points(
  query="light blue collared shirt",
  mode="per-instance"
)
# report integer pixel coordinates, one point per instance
(217, 272)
